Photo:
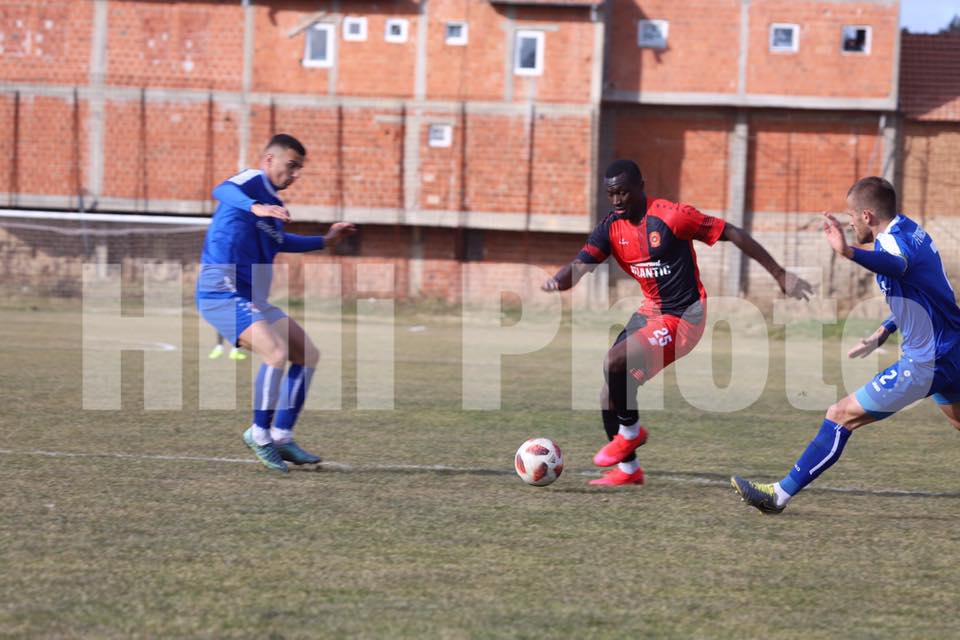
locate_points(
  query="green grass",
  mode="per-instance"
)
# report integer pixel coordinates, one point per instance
(100, 546)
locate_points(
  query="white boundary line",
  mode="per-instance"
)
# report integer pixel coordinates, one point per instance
(673, 476)
(102, 217)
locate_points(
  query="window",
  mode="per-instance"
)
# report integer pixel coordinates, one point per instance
(652, 34)
(355, 28)
(784, 37)
(440, 135)
(318, 48)
(456, 33)
(528, 53)
(856, 39)
(396, 30)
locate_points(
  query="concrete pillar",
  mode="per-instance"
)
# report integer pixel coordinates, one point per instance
(890, 126)
(97, 115)
(415, 266)
(734, 259)
(243, 126)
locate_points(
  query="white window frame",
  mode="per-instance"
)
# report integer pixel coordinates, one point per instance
(663, 26)
(404, 25)
(540, 38)
(446, 137)
(795, 28)
(867, 43)
(460, 40)
(360, 21)
(331, 30)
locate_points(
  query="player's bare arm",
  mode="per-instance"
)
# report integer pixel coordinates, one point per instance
(568, 276)
(868, 345)
(835, 236)
(337, 232)
(790, 283)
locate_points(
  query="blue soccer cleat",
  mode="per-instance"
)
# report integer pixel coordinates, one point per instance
(268, 455)
(295, 454)
(759, 496)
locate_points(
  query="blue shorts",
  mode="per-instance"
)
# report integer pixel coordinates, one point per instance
(906, 381)
(232, 316)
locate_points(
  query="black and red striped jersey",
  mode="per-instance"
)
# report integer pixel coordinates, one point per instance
(658, 252)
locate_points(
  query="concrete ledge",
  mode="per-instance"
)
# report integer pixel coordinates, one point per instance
(756, 100)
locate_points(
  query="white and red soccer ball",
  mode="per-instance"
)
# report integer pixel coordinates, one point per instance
(539, 461)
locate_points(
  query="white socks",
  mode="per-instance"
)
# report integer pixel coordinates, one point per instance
(631, 432)
(261, 437)
(782, 496)
(281, 436)
(629, 467)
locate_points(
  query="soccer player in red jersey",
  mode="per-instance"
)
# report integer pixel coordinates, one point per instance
(652, 240)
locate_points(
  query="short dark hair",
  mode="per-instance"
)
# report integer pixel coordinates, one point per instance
(628, 168)
(875, 193)
(286, 141)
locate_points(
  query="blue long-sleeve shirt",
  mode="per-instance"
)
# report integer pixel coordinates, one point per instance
(240, 247)
(911, 275)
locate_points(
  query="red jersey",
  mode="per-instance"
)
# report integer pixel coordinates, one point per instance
(657, 252)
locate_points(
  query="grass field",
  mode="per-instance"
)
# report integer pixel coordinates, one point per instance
(157, 524)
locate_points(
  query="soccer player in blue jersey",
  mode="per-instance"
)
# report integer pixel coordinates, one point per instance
(245, 235)
(924, 309)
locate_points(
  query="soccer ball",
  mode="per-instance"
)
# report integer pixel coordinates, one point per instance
(539, 461)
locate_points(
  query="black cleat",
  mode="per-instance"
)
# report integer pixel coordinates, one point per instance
(760, 496)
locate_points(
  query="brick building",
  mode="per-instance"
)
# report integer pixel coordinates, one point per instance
(458, 131)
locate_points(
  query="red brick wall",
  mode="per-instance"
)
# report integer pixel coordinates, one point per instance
(702, 52)
(441, 274)
(371, 148)
(931, 174)
(441, 167)
(568, 55)
(165, 43)
(376, 67)
(562, 172)
(474, 71)
(819, 68)
(682, 152)
(48, 152)
(702, 46)
(372, 67)
(167, 154)
(45, 41)
(803, 163)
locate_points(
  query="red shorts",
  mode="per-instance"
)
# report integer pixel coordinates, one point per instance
(663, 340)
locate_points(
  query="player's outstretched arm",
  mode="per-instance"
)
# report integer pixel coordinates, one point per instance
(232, 195)
(868, 345)
(568, 276)
(338, 231)
(293, 243)
(790, 283)
(886, 264)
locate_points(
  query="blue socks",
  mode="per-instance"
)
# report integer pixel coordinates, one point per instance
(821, 453)
(266, 393)
(292, 396)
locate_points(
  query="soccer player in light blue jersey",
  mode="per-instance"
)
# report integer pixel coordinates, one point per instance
(233, 287)
(924, 309)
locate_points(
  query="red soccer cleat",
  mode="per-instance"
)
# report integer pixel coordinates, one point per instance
(615, 478)
(618, 449)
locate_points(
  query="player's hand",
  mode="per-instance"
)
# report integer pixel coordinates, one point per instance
(866, 346)
(338, 231)
(550, 284)
(270, 211)
(794, 286)
(835, 236)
